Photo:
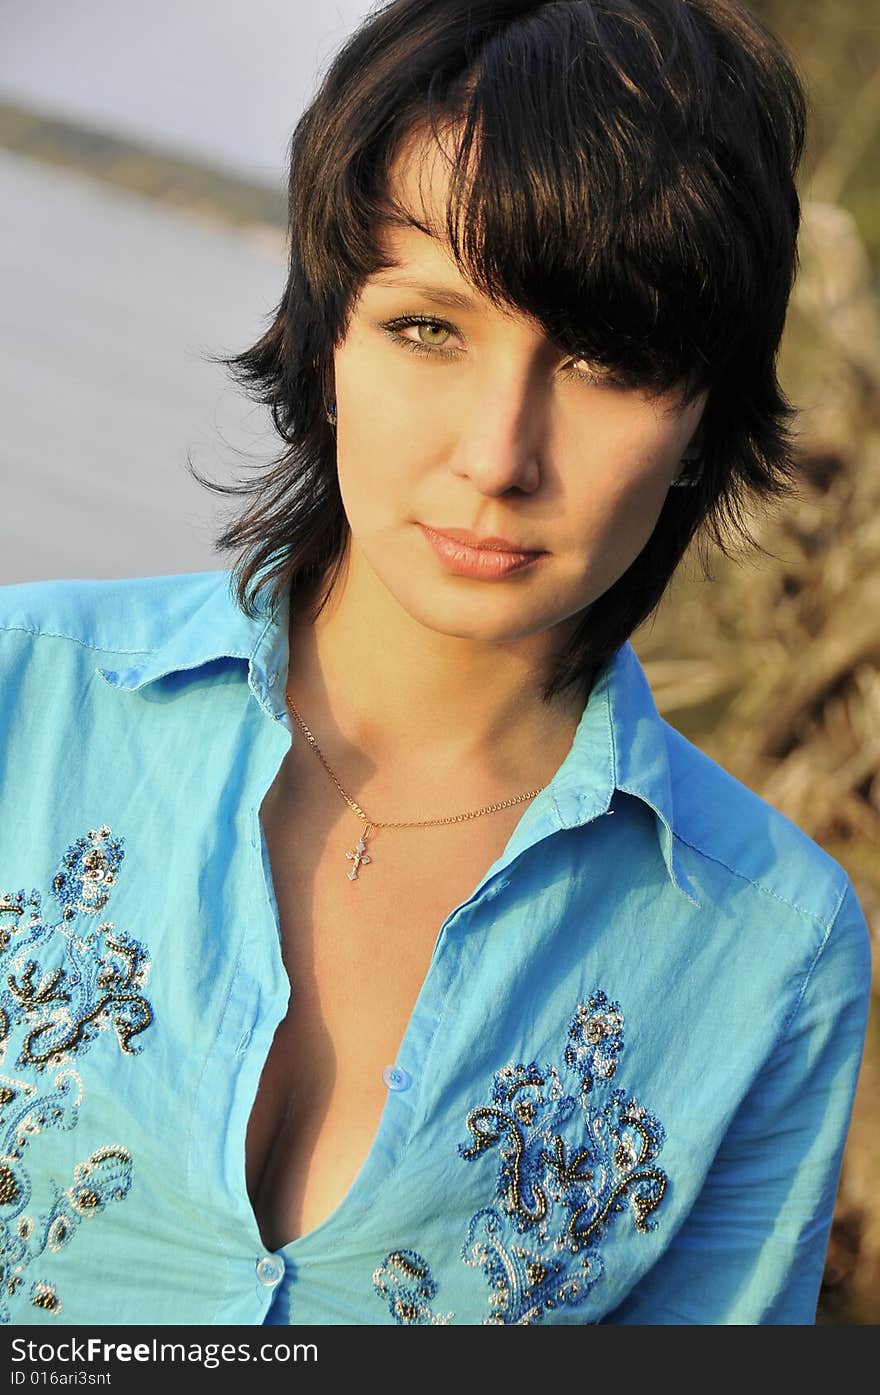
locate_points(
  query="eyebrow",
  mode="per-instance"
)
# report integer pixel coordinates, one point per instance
(440, 295)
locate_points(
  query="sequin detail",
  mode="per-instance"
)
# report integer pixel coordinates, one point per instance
(404, 1280)
(63, 986)
(571, 1155)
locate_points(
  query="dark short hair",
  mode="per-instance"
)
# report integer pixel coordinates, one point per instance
(624, 172)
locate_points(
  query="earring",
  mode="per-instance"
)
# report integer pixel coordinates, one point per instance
(331, 414)
(687, 477)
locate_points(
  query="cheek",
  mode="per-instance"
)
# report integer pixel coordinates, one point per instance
(364, 455)
(608, 524)
(615, 472)
(639, 506)
(619, 509)
(365, 411)
(381, 436)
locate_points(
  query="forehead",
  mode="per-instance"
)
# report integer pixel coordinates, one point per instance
(552, 289)
(419, 262)
(421, 256)
(419, 178)
(415, 237)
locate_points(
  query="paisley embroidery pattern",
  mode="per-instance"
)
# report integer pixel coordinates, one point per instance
(568, 1161)
(62, 985)
(403, 1279)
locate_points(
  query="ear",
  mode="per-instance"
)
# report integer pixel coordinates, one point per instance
(327, 378)
(694, 448)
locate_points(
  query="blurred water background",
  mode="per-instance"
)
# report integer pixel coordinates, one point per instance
(142, 176)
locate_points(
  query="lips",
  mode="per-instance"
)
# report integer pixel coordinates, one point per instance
(484, 562)
(489, 544)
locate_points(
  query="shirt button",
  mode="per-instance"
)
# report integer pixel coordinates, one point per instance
(396, 1078)
(270, 1270)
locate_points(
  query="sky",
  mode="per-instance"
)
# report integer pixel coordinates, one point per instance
(223, 80)
(109, 303)
(110, 307)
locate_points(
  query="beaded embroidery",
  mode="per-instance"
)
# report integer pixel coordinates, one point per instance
(568, 1161)
(62, 986)
(403, 1278)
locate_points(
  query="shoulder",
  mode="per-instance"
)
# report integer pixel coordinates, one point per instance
(739, 838)
(131, 615)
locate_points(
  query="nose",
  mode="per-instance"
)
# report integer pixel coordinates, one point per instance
(500, 433)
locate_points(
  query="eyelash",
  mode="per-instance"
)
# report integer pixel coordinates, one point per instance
(392, 328)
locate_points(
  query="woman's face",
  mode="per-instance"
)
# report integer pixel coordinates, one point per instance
(454, 414)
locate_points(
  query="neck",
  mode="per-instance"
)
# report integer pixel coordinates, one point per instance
(378, 684)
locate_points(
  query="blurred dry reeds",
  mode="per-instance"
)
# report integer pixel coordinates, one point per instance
(773, 668)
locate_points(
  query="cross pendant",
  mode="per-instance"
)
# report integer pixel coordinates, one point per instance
(359, 854)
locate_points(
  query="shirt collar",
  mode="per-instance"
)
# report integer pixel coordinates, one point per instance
(620, 742)
(220, 629)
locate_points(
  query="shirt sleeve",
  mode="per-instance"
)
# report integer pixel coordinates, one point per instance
(752, 1249)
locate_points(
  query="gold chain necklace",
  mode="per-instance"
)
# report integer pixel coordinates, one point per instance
(359, 855)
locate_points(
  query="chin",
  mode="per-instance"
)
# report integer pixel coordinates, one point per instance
(488, 624)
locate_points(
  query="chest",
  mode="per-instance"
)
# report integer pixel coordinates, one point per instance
(357, 952)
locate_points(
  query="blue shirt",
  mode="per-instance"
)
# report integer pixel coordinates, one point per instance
(623, 1092)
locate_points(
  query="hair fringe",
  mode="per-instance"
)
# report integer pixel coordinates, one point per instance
(655, 233)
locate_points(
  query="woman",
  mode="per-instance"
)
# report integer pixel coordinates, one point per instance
(445, 982)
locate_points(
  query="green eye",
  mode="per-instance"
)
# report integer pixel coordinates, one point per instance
(427, 330)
